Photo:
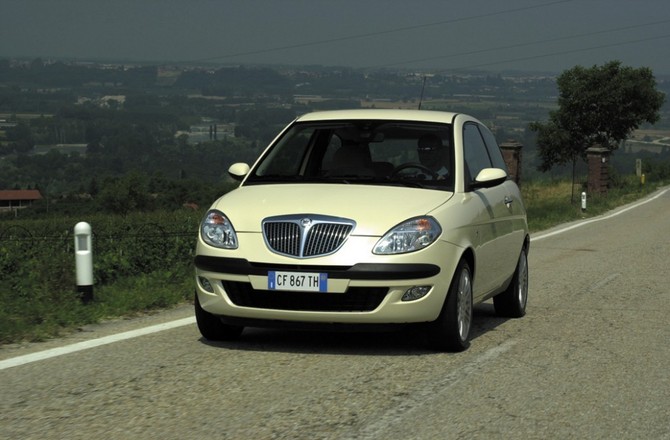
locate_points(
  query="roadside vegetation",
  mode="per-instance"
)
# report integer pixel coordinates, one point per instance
(548, 203)
(141, 262)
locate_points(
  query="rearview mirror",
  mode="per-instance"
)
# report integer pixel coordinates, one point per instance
(238, 170)
(489, 177)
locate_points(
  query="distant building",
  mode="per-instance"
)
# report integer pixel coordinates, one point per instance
(118, 100)
(13, 199)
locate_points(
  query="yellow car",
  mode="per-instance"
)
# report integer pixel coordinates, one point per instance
(364, 218)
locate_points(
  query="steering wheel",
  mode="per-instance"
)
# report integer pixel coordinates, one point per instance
(418, 166)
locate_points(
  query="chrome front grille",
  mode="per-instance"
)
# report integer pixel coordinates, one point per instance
(306, 236)
(283, 237)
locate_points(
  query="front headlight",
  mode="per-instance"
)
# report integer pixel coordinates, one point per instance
(216, 230)
(410, 236)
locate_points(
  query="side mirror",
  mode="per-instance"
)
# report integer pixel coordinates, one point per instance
(488, 178)
(238, 170)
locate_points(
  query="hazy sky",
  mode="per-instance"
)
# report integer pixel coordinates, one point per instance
(539, 35)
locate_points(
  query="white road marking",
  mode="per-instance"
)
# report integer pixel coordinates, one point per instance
(428, 393)
(602, 283)
(85, 345)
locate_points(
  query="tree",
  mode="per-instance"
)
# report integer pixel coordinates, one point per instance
(126, 194)
(20, 138)
(600, 105)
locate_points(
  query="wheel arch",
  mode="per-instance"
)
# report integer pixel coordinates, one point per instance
(526, 244)
(469, 256)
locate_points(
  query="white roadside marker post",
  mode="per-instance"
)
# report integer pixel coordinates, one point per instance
(84, 261)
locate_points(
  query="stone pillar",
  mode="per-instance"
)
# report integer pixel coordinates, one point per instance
(598, 160)
(511, 151)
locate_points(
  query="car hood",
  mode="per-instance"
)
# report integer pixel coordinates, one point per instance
(375, 209)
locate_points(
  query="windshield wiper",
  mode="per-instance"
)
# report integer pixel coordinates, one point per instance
(404, 182)
(274, 178)
(350, 180)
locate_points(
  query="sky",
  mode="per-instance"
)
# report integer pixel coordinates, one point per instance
(438, 35)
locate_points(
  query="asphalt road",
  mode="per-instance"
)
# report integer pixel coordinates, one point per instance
(590, 360)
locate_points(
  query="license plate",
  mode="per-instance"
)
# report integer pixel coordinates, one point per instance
(298, 281)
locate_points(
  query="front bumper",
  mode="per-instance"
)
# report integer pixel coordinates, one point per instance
(360, 271)
(363, 293)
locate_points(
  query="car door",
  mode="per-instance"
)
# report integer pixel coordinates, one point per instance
(513, 220)
(494, 228)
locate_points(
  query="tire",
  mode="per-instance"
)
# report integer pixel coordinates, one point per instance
(512, 302)
(451, 330)
(212, 328)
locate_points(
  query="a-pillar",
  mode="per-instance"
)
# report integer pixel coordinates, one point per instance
(511, 152)
(598, 160)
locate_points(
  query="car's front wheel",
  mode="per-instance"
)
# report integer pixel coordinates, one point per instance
(451, 330)
(212, 328)
(512, 302)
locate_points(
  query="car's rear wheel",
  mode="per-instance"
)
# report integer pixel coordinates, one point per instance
(451, 330)
(212, 328)
(512, 302)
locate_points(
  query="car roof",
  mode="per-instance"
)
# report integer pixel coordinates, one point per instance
(383, 114)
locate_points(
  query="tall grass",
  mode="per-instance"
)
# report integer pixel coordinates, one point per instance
(141, 262)
(549, 203)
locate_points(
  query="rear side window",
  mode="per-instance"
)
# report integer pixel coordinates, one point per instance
(476, 154)
(494, 149)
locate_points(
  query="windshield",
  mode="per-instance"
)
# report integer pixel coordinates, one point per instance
(361, 151)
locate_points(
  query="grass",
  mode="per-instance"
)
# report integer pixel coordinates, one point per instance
(61, 312)
(551, 203)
